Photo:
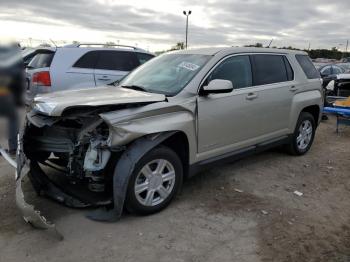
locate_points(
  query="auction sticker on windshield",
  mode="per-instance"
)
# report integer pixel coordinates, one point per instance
(188, 66)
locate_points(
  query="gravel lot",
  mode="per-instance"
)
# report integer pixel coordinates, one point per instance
(243, 211)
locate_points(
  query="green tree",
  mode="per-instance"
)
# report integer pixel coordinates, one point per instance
(255, 45)
(178, 46)
(107, 44)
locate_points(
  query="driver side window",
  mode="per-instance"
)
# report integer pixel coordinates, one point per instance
(236, 69)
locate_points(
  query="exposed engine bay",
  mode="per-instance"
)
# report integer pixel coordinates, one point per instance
(77, 148)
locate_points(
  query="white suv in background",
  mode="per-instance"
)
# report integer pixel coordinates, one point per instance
(81, 66)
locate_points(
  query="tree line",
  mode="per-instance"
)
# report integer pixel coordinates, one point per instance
(333, 53)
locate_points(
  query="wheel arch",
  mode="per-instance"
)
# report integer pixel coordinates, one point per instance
(314, 110)
(125, 166)
(178, 142)
(310, 102)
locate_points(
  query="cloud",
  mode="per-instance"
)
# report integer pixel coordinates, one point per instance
(213, 22)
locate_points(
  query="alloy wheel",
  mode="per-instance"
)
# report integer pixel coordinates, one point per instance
(304, 135)
(155, 182)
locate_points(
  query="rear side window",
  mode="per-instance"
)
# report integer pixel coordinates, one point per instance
(307, 66)
(269, 69)
(117, 60)
(290, 73)
(236, 69)
(88, 60)
(143, 58)
(41, 60)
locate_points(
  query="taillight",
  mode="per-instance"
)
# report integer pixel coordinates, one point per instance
(42, 78)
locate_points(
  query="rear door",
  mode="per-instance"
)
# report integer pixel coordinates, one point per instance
(112, 65)
(81, 74)
(274, 81)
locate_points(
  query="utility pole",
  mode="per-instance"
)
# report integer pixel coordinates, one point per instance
(187, 15)
(346, 48)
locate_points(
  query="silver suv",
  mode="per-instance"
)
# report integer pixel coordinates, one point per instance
(81, 66)
(132, 145)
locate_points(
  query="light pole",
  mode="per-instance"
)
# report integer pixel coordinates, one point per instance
(346, 48)
(187, 14)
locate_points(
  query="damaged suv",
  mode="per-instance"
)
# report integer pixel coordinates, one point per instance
(131, 145)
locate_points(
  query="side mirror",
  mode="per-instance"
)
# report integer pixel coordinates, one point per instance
(217, 86)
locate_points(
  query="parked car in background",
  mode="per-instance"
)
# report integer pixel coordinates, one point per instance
(346, 66)
(81, 66)
(340, 86)
(346, 60)
(29, 53)
(132, 145)
(329, 72)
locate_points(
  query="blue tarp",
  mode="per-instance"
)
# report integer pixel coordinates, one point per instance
(337, 110)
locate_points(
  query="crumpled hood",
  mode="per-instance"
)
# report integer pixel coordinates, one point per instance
(53, 104)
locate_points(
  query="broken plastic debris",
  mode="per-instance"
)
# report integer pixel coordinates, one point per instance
(238, 190)
(298, 193)
(264, 212)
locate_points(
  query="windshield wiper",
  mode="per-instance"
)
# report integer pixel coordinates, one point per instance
(136, 87)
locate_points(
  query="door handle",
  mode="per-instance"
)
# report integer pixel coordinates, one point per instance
(293, 88)
(103, 79)
(251, 96)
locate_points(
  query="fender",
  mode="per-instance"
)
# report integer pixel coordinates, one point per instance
(301, 101)
(129, 125)
(122, 173)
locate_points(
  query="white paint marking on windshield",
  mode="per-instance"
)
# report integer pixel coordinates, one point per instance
(188, 66)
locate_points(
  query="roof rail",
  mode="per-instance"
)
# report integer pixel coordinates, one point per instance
(100, 44)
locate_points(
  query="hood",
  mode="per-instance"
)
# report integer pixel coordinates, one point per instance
(53, 104)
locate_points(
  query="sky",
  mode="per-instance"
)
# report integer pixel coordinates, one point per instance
(157, 25)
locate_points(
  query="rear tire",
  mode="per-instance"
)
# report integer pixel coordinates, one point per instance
(155, 181)
(303, 135)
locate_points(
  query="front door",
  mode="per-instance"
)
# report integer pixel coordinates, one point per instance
(255, 111)
(227, 119)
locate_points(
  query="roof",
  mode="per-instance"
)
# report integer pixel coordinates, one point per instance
(105, 46)
(215, 50)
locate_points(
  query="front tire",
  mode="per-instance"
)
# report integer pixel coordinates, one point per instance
(155, 181)
(303, 135)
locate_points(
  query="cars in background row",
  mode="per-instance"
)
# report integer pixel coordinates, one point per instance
(340, 86)
(80, 66)
(329, 72)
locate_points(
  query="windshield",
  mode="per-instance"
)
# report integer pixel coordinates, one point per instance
(167, 74)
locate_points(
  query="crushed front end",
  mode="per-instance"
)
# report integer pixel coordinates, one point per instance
(67, 159)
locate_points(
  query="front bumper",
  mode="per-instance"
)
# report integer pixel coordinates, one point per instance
(29, 213)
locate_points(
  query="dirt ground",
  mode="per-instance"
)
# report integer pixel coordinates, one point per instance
(243, 211)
